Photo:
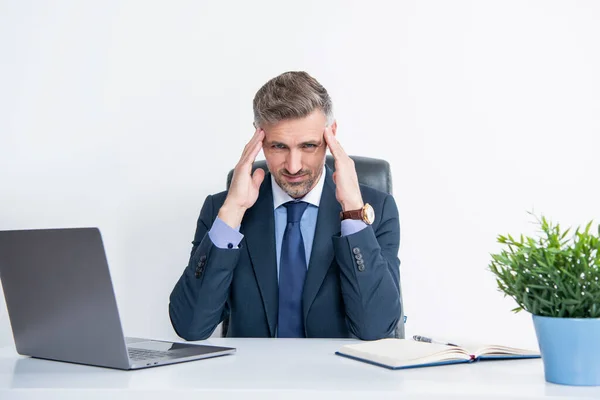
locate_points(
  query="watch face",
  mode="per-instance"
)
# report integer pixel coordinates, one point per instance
(369, 214)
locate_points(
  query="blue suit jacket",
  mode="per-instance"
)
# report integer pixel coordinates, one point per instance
(341, 298)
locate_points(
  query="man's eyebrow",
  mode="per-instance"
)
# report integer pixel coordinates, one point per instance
(275, 142)
(315, 142)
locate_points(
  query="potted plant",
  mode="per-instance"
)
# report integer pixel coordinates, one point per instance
(556, 278)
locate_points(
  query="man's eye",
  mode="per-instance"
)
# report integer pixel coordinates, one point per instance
(309, 146)
(278, 146)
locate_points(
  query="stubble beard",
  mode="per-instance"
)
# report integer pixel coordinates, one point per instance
(297, 189)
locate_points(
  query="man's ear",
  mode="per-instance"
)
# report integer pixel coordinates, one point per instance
(334, 127)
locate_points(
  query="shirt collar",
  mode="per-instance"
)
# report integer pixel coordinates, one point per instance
(313, 197)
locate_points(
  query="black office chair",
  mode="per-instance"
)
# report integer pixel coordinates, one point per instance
(372, 172)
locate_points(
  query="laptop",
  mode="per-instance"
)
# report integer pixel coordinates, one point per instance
(62, 306)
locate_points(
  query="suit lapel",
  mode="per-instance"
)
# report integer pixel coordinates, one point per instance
(259, 232)
(328, 225)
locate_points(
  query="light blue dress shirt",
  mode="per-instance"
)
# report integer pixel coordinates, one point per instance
(223, 236)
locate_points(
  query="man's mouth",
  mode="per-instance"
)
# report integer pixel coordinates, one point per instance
(294, 178)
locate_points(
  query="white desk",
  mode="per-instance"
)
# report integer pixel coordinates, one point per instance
(279, 369)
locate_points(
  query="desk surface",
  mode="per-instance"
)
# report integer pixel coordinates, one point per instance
(280, 369)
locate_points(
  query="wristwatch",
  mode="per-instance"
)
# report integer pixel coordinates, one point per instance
(365, 214)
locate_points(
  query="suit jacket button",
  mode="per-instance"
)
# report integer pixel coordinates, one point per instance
(356, 250)
(361, 267)
(358, 256)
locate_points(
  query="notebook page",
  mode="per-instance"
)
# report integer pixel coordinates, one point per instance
(478, 349)
(399, 352)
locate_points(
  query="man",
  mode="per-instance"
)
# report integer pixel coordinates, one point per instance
(300, 252)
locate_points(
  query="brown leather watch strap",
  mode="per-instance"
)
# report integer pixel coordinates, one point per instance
(352, 214)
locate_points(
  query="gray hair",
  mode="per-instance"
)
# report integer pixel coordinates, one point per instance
(291, 95)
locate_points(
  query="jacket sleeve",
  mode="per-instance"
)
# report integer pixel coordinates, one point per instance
(198, 302)
(370, 275)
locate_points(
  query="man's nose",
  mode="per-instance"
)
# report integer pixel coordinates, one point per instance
(293, 163)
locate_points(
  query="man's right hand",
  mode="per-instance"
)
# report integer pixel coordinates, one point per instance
(244, 187)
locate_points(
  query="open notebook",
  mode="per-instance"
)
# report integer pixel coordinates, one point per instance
(405, 353)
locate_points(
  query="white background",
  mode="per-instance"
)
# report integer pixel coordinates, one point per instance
(125, 115)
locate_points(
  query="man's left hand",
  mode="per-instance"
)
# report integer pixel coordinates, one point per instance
(347, 189)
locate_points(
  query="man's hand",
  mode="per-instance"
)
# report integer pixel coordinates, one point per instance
(347, 189)
(243, 191)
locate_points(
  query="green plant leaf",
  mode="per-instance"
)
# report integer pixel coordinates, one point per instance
(551, 274)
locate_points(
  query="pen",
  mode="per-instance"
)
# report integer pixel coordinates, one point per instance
(420, 338)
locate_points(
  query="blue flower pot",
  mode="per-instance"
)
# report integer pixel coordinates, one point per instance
(570, 349)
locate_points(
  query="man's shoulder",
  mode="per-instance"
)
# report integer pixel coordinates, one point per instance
(216, 200)
(383, 203)
(378, 199)
(219, 197)
(370, 193)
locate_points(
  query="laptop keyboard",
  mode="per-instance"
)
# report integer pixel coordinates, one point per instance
(136, 354)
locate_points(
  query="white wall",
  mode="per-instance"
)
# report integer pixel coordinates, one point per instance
(125, 115)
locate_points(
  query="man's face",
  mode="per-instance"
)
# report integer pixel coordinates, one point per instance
(295, 152)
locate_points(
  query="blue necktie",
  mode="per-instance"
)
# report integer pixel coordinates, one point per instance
(292, 271)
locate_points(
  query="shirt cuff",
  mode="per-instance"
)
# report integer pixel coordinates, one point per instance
(223, 236)
(351, 226)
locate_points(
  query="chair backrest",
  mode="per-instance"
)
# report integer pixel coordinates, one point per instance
(372, 172)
